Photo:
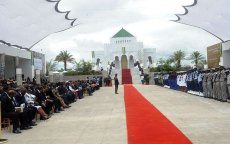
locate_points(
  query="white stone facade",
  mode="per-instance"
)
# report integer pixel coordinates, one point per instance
(124, 44)
(12, 58)
(226, 54)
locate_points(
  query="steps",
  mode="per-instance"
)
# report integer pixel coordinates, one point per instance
(136, 79)
(118, 72)
(126, 76)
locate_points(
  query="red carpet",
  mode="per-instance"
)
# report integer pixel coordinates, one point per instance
(126, 76)
(146, 124)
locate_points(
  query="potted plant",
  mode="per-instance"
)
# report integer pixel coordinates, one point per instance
(146, 79)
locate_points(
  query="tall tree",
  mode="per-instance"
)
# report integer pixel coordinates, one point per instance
(164, 65)
(177, 57)
(50, 66)
(64, 57)
(197, 58)
(86, 66)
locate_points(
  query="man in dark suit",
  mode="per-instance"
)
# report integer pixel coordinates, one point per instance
(47, 104)
(31, 111)
(63, 91)
(9, 111)
(56, 102)
(116, 82)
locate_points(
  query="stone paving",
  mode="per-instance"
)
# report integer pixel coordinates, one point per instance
(97, 119)
(202, 120)
(100, 119)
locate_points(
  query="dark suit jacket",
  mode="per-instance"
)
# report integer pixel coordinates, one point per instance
(7, 105)
(62, 90)
(116, 81)
(41, 97)
(20, 99)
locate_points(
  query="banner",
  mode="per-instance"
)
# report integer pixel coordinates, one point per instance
(37, 64)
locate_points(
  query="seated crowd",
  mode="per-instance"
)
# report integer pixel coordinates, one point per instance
(22, 103)
(210, 83)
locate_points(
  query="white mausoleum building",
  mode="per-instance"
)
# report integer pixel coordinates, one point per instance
(123, 50)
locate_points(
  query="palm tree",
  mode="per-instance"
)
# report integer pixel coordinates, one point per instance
(50, 66)
(64, 57)
(196, 58)
(177, 57)
(202, 63)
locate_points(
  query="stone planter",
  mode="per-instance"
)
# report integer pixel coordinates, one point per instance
(3, 141)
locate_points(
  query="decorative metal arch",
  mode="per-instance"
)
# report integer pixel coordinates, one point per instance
(186, 12)
(57, 10)
(51, 34)
(67, 12)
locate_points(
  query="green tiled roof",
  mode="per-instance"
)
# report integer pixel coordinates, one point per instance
(122, 33)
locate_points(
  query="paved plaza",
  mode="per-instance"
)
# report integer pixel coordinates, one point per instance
(101, 119)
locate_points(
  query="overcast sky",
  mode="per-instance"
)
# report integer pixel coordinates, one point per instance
(148, 20)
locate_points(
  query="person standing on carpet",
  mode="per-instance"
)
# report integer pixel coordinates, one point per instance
(116, 83)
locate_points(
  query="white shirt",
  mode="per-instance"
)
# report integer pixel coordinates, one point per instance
(29, 98)
(142, 77)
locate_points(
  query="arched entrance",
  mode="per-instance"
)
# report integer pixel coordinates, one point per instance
(98, 62)
(117, 62)
(131, 61)
(150, 59)
(124, 62)
(150, 62)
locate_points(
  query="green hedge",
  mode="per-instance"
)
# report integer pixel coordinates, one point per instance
(73, 73)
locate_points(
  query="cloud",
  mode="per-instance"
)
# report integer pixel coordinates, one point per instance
(148, 20)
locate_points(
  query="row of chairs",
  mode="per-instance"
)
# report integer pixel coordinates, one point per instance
(6, 122)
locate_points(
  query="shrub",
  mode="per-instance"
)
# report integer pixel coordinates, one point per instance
(72, 73)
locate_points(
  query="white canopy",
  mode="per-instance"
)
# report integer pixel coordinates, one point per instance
(211, 15)
(26, 22)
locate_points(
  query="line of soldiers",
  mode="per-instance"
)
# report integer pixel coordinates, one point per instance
(194, 80)
(216, 84)
(211, 83)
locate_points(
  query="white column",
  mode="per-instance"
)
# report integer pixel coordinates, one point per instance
(32, 70)
(51, 76)
(17, 61)
(221, 63)
(61, 77)
(38, 76)
(19, 76)
(2, 66)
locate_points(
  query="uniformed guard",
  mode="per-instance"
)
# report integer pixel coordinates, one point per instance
(218, 89)
(228, 84)
(223, 85)
(204, 84)
(200, 82)
(214, 84)
(160, 79)
(190, 81)
(210, 83)
(184, 82)
(195, 79)
(179, 81)
(167, 79)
